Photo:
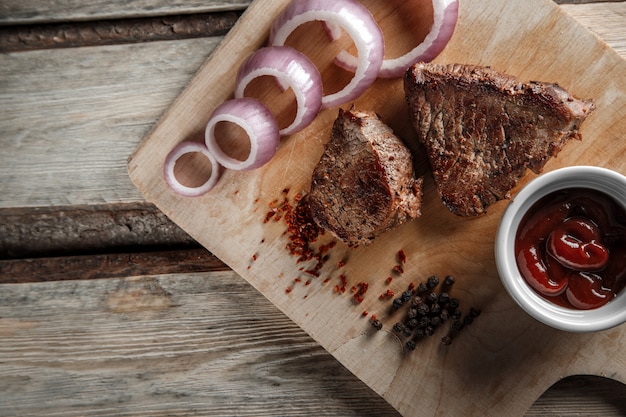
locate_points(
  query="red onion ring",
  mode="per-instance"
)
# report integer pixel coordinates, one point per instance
(258, 123)
(445, 16)
(360, 25)
(175, 154)
(291, 69)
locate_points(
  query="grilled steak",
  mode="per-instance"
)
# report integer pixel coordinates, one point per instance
(482, 129)
(363, 184)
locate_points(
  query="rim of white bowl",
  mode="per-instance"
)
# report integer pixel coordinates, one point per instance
(605, 180)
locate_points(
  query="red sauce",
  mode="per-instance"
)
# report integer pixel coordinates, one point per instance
(571, 248)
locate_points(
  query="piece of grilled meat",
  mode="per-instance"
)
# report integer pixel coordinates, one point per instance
(482, 129)
(364, 183)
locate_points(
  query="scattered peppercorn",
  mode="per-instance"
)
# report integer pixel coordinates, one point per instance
(377, 324)
(448, 281)
(410, 345)
(397, 303)
(432, 282)
(401, 256)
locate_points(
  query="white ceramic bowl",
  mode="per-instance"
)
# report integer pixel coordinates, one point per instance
(601, 179)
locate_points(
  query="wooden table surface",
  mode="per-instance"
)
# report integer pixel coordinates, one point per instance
(107, 307)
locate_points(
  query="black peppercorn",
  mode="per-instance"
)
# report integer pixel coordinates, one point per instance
(377, 324)
(444, 297)
(399, 328)
(435, 322)
(422, 309)
(474, 312)
(446, 340)
(453, 303)
(423, 322)
(419, 333)
(422, 288)
(457, 325)
(456, 315)
(432, 298)
(468, 320)
(415, 301)
(429, 331)
(410, 345)
(412, 323)
(397, 303)
(448, 281)
(406, 296)
(412, 313)
(432, 282)
(435, 308)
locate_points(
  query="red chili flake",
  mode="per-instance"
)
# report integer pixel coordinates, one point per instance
(387, 295)
(254, 257)
(398, 269)
(297, 280)
(312, 272)
(388, 280)
(263, 240)
(336, 289)
(268, 216)
(249, 267)
(341, 264)
(288, 290)
(401, 256)
(360, 290)
(308, 283)
(365, 313)
(411, 286)
(256, 200)
(344, 282)
(374, 317)
(236, 192)
(326, 281)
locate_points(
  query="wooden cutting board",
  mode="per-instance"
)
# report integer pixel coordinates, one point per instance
(502, 362)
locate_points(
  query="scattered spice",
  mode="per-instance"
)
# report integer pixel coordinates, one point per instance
(401, 256)
(361, 289)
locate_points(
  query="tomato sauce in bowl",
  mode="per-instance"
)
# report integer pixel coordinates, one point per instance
(560, 248)
(570, 247)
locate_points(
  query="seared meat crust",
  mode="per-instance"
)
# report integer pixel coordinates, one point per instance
(482, 129)
(364, 183)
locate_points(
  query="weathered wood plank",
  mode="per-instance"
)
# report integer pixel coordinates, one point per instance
(38, 11)
(83, 230)
(194, 344)
(13, 12)
(109, 265)
(71, 117)
(109, 32)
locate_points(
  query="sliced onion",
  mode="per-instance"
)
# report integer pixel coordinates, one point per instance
(260, 127)
(291, 69)
(360, 25)
(445, 16)
(179, 151)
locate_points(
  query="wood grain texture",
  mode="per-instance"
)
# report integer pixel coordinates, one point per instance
(454, 381)
(110, 32)
(318, 383)
(194, 344)
(90, 229)
(71, 117)
(14, 12)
